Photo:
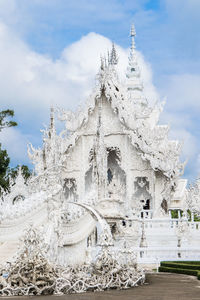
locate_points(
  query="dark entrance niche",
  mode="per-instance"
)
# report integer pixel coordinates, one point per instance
(141, 186)
(164, 205)
(109, 175)
(113, 166)
(89, 174)
(70, 189)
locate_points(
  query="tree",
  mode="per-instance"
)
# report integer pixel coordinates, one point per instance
(3, 122)
(4, 163)
(25, 172)
(5, 171)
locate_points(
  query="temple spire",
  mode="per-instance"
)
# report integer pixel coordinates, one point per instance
(134, 83)
(112, 57)
(52, 121)
(132, 69)
(132, 34)
(52, 129)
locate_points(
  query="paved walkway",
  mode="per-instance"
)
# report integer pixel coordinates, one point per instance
(161, 286)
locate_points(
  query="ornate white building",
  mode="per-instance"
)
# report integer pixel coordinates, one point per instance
(113, 164)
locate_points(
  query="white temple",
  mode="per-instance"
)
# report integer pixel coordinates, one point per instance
(112, 176)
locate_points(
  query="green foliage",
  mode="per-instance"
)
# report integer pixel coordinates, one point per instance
(4, 163)
(187, 262)
(181, 267)
(25, 172)
(179, 271)
(5, 171)
(174, 213)
(196, 218)
(3, 122)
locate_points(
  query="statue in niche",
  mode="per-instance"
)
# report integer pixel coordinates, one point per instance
(142, 196)
(116, 189)
(70, 189)
(91, 173)
(116, 177)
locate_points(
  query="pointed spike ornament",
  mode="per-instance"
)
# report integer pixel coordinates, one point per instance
(107, 67)
(52, 129)
(132, 70)
(102, 64)
(52, 121)
(134, 82)
(113, 59)
(132, 34)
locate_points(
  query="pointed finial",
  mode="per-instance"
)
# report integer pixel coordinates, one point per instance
(52, 118)
(133, 72)
(52, 122)
(113, 59)
(101, 63)
(108, 57)
(132, 35)
(132, 32)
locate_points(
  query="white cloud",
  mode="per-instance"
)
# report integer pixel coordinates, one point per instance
(182, 113)
(183, 90)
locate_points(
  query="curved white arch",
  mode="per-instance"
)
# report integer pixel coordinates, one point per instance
(96, 215)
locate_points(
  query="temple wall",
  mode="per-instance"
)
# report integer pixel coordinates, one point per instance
(131, 162)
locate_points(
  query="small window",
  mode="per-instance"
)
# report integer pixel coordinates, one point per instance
(123, 223)
(132, 69)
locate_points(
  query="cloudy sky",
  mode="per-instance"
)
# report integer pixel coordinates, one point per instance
(49, 55)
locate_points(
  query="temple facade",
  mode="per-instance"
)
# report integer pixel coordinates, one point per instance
(111, 174)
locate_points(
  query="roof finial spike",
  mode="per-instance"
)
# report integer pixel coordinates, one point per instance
(108, 57)
(105, 62)
(134, 83)
(113, 56)
(102, 63)
(52, 120)
(132, 34)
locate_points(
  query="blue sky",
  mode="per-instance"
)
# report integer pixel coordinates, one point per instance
(44, 44)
